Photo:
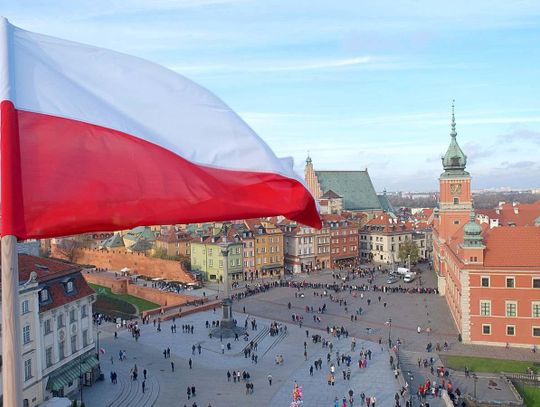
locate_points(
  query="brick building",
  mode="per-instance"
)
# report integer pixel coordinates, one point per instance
(489, 273)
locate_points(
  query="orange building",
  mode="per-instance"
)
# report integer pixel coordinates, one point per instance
(269, 259)
(490, 277)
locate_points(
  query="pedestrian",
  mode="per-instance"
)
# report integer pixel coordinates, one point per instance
(269, 379)
(172, 366)
(192, 391)
(229, 376)
(189, 393)
(143, 385)
(190, 363)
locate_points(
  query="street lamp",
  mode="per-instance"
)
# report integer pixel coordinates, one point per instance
(389, 332)
(97, 353)
(81, 376)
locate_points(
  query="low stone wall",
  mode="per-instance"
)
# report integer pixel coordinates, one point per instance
(185, 311)
(138, 263)
(123, 285)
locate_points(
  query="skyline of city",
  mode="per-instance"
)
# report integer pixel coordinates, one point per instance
(357, 85)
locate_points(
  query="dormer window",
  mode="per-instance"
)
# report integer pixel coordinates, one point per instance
(69, 286)
(44, 295)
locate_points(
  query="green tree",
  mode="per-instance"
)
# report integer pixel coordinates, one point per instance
(408, 248)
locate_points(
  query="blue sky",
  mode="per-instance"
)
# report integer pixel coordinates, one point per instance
(357, 83)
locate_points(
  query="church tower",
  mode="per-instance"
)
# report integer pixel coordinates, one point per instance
(455, 199)
(311, 179)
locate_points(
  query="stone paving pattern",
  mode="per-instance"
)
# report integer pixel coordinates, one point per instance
(166, 388)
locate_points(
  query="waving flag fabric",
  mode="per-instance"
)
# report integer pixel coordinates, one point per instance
(97, 140)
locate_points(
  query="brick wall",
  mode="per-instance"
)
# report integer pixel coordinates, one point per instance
(123, 285)
(137, 263)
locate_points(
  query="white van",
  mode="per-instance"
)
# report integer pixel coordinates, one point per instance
(402, 270)
(409, 277)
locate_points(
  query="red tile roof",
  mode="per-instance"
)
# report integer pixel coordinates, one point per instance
(517, 215)
(517, 246)
(52, 274)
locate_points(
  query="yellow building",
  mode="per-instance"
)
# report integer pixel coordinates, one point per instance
(268, 242)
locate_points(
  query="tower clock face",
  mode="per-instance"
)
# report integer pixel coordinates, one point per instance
(455, 189)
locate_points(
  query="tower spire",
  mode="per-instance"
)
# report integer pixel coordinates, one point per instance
(453, 133)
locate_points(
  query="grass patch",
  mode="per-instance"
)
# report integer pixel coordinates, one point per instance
(530, 394)
(114, 307)
(486, 365)
(141, 304)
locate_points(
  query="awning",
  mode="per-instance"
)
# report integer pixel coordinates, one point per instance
(70, 372)
(352, 256)
(272, 267)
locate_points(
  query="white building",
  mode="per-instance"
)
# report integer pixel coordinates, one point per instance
(56, 329)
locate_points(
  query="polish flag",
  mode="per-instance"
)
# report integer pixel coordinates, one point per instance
(97, 140)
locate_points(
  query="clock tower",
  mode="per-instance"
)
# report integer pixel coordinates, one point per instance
(455, 203)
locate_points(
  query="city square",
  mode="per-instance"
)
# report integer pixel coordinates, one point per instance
(228, 203)
(370, 331)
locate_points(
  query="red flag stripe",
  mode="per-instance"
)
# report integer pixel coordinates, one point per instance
(78, 177)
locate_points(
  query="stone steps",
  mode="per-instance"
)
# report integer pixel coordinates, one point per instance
(132, 395)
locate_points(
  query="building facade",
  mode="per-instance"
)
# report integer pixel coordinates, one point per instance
(57, 331)
(174, 243)
(268, 242)
(207, 258)
(489, 274)
(343, 239)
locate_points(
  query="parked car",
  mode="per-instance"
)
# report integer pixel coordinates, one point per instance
(409, 277)
(392, 280)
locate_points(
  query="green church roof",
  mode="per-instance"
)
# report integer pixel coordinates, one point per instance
(455, 160)
(354, 186)
(385, 203)
(472, 232)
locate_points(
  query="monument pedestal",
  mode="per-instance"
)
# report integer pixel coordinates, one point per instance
(227, 326)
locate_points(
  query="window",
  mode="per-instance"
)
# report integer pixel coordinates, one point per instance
(485, 308)
(486, 329)
(72, 316)
(211, 262)
(536, 331)
(536, 309)
(85, 338)
(26, 334)
(69, 286)
(510, 330)
(456, 222)
(60, 321)
(73, 343)
(25, 307)
(47, 326)
(456, 201)
(48, 357)
(510, 282)
(485, 281)
(536, 283)
(511, 308)
(61, 350)
(44, 295)
(27, 369)
(84, 311)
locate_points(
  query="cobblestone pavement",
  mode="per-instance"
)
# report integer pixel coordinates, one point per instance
(208, 374)
(407, 311)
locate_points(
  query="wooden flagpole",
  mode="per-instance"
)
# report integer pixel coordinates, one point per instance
(11, 198)
(11, 326)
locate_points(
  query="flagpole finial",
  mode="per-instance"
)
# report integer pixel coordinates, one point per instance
(454, 132)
